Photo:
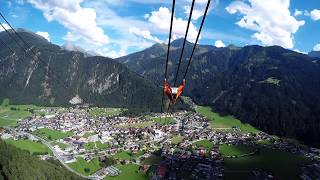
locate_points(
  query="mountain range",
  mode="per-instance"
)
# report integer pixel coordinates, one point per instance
(272, 88)
(56, 76)
(315, 54)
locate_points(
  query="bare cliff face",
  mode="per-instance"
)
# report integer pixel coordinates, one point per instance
(66, 74)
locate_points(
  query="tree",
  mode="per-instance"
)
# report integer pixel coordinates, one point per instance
(108, 161)
(87, 170)
(14, 109)
(31, 111)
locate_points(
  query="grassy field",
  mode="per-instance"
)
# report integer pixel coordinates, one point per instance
(129, 171)
(282, 164)
(90, 145)
(5, 102)
(234, 150)
(101, 145)
(31, 146)
(87, 134)
(164, 121)
(187, 100)
(84, 167)
(135, 125)
(139, 153)
(95, 145)
(123, 155)
(176, 139)
(9, 116)
(61, 145)
(204, 143)
(218, 121)
(51, 134)
(151, 160)
(264, 142)
(39, 112)
(105, 111)
(272, 80)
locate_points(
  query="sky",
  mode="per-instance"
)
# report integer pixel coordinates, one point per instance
(115, 28)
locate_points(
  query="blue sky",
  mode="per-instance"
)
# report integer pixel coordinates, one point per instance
(116, 28)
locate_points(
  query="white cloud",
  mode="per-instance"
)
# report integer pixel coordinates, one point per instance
(111, 53)
(146, 16)
(81, 22)
(297, 50)
(129, 33)
(9, 3)
(5, 26)
(160, 21)
(271, 20)
(120, 25)
(199, 8)
(316, 47)
(20, 2)
(71, 37)
(44, 34)
(219, 44)
(297, 12)
(144, 34)
(315, 14)
(306, 13)
(196, 14)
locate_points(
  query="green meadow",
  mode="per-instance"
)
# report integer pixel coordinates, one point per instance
(84, 167)
(283, 165)
(50, 134)
(31, 146)
(129, 171)
(224, 122)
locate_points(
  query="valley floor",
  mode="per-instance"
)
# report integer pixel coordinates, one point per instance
(99, 143)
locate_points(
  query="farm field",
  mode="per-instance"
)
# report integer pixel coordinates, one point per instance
(234, 150)
(224, 122)
(135, 125)
(84, 167)
(95, 145)
(105, 111)
(162, 120)
(31, 146)
(267, 159)
(9, 115)
(50, 134)
(204, 143)
(176, 139)
(129, 171)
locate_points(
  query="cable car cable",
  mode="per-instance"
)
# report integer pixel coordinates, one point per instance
(184, 42)
(195, 45)
(168, 51)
